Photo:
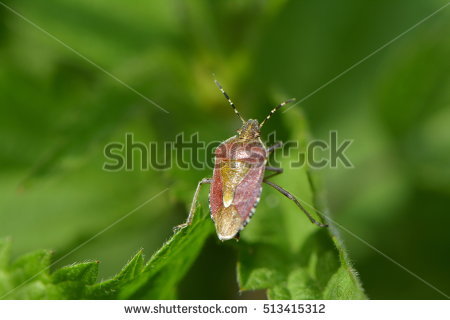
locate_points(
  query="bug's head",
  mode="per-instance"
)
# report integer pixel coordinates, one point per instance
(250, 130)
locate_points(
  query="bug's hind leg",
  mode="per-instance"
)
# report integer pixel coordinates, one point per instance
(290, 196)
(193, 205)
(276, 171)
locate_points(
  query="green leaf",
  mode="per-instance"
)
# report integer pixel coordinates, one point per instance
(158, 278)
(169, 264)
(82, 272)
(71, 281)
(34, 265)
(29, 276)
(110, 288)
(341, 286)
(283, 253)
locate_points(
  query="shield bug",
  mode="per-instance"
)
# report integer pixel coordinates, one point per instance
(236, 185)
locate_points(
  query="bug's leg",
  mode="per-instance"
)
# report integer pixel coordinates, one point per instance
(290, 196)
(193, 205)
(277, 145)
(276, 171)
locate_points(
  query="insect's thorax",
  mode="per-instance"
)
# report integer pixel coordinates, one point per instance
(237, 149)
(250, 130)
(246, 146)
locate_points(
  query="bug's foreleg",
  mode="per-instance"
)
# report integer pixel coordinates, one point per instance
(193, 205)
(276, 171)
(276, 146)
(290, 196)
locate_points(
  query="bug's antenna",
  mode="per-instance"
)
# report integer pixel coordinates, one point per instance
(229, 100)
(275, 109)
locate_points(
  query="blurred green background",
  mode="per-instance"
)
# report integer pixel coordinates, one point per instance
(58, 112)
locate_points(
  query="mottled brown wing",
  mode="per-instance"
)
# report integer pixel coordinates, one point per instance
(246, 195)
(215, 193)
(248, 192)
(230, 220)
